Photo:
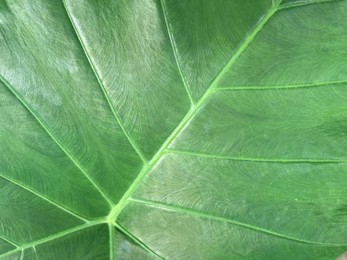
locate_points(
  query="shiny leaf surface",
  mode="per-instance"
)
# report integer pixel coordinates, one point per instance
(162, 129)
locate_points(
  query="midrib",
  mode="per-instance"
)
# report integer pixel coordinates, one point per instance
(112, 217)
(190, 115)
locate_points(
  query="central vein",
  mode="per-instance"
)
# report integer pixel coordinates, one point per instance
(188, 117)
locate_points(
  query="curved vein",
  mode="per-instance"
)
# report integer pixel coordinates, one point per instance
(29, 189)
(175, 51)
(53, 237)
(191, 113)
(60, 145)
(270, 160)
(102, 86)
(192, 212)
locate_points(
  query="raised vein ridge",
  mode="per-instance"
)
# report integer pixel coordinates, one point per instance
(112, 239)
(102, 86)
(52, 237)
(270, 160)
(137, 241)
(8, 241)
(29, 189)
(196, 213)
(191, 113)
(60, 145)
(274, 87)
(148, 165)
(175, 51)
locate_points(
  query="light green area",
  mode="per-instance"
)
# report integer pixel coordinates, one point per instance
(166, 129)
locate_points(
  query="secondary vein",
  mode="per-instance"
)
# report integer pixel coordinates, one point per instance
(102, 86)
(189, 211)
(137, 241)
(29, 189)
(60, 145)
(8, 241)
(53, 237)
(274, 87)
(269, 160)
(191, 113)
(298, 4)
(175, 52)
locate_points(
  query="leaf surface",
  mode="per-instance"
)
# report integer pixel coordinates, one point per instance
(173, 129)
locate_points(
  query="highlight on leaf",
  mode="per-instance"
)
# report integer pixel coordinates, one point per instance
(162, 129)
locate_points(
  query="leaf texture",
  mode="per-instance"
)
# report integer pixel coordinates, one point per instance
(162, 129)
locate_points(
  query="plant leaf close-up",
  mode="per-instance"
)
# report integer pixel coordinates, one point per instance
(173, 129)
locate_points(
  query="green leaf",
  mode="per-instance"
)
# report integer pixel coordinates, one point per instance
(163, 129)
